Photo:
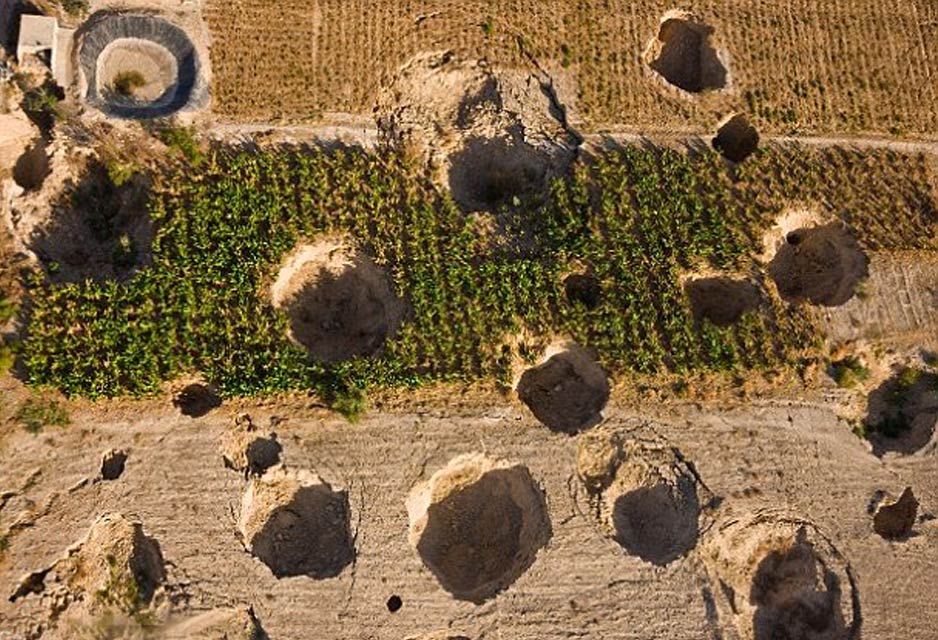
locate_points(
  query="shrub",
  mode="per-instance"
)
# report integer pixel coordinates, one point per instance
(900, 396)
(183, 140)
(126, 83)
(7, 310)
(848, 372)
(120, 172)
(350, 401)
(7, 357)
(75, 8)
(36, 413)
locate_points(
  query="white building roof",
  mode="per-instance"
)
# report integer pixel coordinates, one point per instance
(37, 33)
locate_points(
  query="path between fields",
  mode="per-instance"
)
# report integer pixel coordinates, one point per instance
(363, 132)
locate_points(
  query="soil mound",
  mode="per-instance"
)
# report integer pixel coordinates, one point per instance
(218, 624)
(736, 139)
(478, 524)
(821, 265)
(722, 301)
(584, 289)
(781, 578)
(32, 167)
(567, 392)
(894, 520)
(115, 567)
(642, 494)
(902, 413)
(247, 449)
(112, 464)
(297, 524)
(136, 66)
(196, 400)
(339, 303)
(489, 135)
(684, 55)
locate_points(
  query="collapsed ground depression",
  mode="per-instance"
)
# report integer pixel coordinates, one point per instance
(444, 322)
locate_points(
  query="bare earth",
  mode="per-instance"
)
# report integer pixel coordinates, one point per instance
(794, 457)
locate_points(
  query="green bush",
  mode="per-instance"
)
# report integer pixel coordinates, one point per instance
(126, 83)
(183, 140)
(75, 8)
(120, 172)
(36, 413)
(7, 357)
(7, 310)
(848, 372)
(899, 395)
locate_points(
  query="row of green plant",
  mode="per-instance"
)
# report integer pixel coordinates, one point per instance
(635, 219)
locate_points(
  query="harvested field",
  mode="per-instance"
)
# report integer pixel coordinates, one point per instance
(859, 67)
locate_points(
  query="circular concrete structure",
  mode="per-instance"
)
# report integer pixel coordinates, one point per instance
(137, 66)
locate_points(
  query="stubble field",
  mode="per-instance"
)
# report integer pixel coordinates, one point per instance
(814, 68)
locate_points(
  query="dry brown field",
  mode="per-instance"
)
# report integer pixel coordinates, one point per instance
(838, 66)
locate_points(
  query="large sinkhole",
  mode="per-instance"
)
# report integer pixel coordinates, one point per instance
(489, 173)
(583, 289)
(684, 56)
(95, 229)
(32, 167)
(136, 66)
(339, 303)
(796, 596)
(821, 265)
(658, 523)
(478, 525)
(566, 393)
(736, 139)
(297, 525)
(721, 300)
(780, 578)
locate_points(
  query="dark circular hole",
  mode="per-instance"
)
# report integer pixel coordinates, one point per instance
(196, 400)
(583, 289)
(793, 238)
(395, 603)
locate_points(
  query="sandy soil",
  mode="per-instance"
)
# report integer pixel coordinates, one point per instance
(794, 457)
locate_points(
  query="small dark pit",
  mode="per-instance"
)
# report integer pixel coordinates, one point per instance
(196, 400)
(583, 289)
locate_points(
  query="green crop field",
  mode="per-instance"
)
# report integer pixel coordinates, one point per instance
(634, 218)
